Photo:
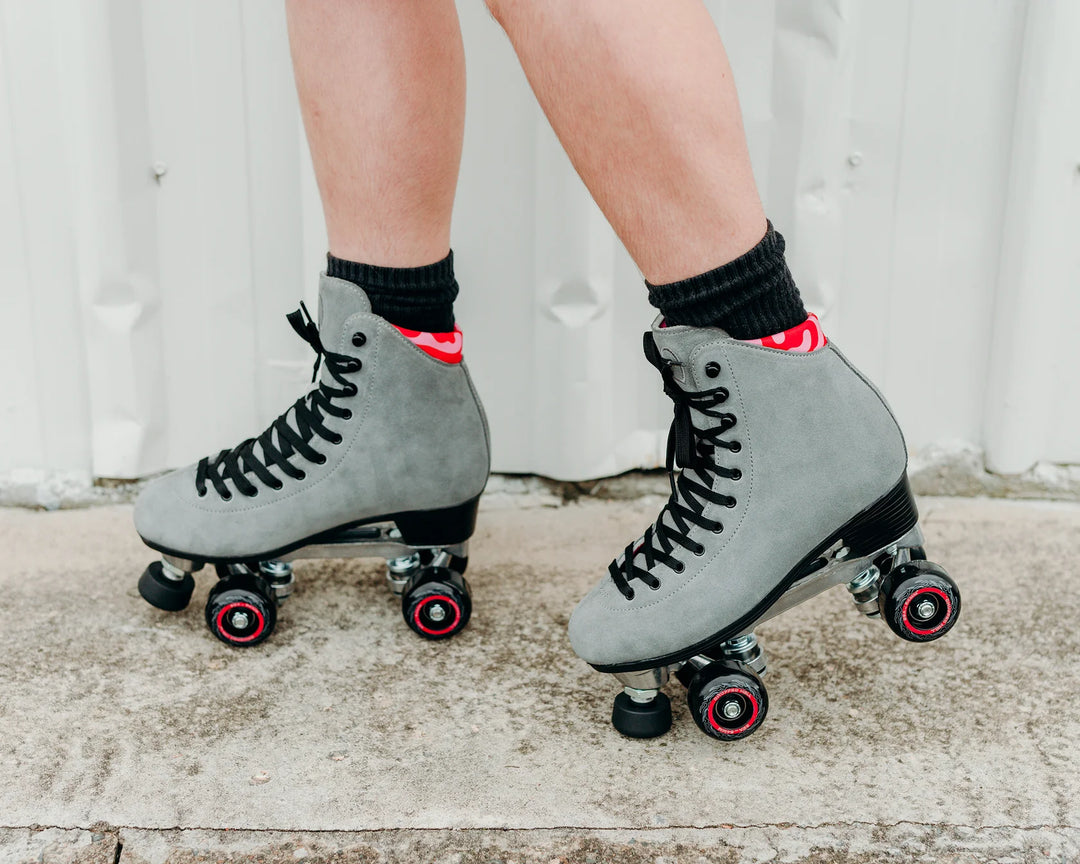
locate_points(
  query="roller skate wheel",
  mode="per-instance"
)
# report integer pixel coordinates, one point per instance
(733, 711)
(436, 603)
(240, 612)
(919, 601)
(727, 700)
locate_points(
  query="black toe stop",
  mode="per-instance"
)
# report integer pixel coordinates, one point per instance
(159, 590)
(641, 719)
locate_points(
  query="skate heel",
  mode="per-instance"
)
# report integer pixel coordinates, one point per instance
(884, 522)
(443, 527)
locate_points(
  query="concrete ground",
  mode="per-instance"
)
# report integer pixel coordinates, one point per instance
(132, 735)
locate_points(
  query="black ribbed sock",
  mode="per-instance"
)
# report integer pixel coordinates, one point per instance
(750, 297)
(417, 298)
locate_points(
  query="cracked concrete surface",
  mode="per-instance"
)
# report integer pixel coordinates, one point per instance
(137, 736)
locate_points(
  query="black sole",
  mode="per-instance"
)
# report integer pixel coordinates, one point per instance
(446, 526)
(883, 522)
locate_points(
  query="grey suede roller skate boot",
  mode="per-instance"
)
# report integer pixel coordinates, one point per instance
(385, 457)
(793, 480)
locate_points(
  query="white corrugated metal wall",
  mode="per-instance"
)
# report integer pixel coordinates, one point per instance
(158, 217)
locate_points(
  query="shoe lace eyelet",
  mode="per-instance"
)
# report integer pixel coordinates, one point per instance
(699, 551)
(712, 369)
(278, 487)
(735, 446)
(731, 502)
(347, 415)
(227, 496)
(337, 439)
(719, 529)
(352, 391)
(736, 474)
(253, 494)
(202, 493)
(358, 339)
(630, 596)
(680, 568)
(301, 476)
(321, 460)
(655, 587)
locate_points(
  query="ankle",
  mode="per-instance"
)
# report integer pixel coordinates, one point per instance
(751, 297)
(417, 298)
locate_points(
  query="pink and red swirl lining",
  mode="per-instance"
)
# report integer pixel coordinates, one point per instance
(802, 338)
(441, 346)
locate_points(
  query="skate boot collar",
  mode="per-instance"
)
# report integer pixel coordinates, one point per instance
(338, 300)
(676, 345)
(680, 346)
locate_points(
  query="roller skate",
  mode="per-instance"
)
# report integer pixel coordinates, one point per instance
(386, 457)
(793, 480)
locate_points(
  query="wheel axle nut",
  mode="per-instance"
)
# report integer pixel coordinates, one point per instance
(239, 620)
(925, 609)
(731, 709)
(437, 612)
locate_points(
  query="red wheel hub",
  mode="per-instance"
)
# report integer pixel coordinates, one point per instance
(730, 691)
(219, 622)
(922, 592)
(423, 604)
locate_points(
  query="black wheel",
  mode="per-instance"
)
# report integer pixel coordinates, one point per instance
(919, 601)
(727, 700)
(436, 603)
(239, 610)
(641, 719)
(159, 590)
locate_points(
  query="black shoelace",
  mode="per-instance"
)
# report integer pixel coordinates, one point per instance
(308, 413)
(693, 450)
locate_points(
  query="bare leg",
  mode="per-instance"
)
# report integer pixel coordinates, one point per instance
(382, 93)
(641, 96)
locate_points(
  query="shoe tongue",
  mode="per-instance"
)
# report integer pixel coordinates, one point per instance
(678, 343)
(338, 299)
